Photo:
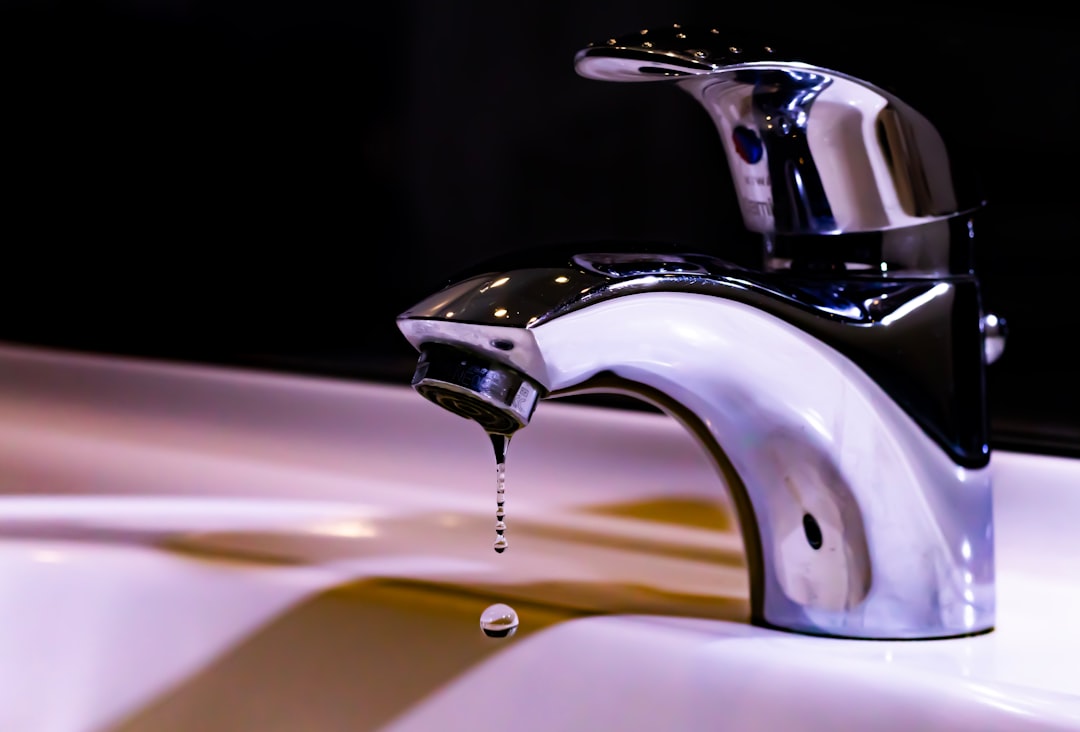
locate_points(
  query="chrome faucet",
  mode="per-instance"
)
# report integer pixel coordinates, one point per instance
(839, 384)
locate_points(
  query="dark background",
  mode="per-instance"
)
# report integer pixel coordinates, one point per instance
(270, 183)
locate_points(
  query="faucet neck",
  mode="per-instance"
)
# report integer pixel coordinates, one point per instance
(935, 373)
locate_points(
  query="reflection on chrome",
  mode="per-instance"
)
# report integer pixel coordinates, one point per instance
(914, 303)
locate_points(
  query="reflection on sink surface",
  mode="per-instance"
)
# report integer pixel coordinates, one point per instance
(190, 548)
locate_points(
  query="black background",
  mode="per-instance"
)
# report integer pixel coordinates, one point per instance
(270, 183)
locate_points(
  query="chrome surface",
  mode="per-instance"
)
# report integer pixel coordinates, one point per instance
(498, 397)
(908, 333)
(811, 150)
(839, 388)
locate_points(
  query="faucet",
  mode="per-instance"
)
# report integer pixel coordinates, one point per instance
(837, 381)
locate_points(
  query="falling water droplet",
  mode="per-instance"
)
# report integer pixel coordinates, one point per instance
(499, 621)
(500, 443)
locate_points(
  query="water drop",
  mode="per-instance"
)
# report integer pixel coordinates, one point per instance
(499, 621)
(499, 443)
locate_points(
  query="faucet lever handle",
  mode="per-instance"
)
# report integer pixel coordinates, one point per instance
(810, 150)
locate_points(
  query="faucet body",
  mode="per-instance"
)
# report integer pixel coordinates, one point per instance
(839, 386)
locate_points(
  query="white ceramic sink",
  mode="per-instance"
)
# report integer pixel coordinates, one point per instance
(191, 548)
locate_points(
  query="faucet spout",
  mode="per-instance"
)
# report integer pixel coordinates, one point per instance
(863, 498)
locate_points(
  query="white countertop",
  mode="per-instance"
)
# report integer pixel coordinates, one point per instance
(192, 546)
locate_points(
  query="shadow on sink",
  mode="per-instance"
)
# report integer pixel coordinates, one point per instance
(352, 658)
(391, 617)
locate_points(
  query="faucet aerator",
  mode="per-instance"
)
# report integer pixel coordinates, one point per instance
(499, 398)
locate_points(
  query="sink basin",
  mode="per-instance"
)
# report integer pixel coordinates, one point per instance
(186, 547)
